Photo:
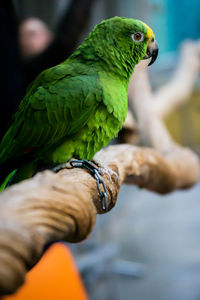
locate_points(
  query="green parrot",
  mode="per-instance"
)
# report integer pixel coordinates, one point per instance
(78, 106)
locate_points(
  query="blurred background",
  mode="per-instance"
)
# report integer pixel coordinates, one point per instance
(148, 246)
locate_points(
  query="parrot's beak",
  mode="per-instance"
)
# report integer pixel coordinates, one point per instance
(152, 51)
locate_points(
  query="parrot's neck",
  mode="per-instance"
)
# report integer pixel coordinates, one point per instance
(111, 60)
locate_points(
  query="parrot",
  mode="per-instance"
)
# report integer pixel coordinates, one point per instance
(76, 107)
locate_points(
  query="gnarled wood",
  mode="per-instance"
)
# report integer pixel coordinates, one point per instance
(178, 89)
(63, 206)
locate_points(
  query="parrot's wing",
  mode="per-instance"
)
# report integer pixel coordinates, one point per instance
(55, 106)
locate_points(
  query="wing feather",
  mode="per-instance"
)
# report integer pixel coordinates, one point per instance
(56, 105)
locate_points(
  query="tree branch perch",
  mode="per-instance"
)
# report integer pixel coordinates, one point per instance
(63, 206)
(168, 97)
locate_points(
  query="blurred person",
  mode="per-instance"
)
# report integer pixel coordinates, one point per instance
(52, 48)
(34, 37)
(40, 49)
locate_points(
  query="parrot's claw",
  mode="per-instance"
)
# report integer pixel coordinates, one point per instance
(103, 170)
(60, 167)
(65, 165)
(95, 171)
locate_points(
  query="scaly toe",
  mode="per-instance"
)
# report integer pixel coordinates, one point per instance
(65, 165)
(104, 170)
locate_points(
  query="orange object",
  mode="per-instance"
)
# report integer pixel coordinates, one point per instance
(55, 277)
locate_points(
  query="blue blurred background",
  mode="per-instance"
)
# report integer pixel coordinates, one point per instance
(172, 21)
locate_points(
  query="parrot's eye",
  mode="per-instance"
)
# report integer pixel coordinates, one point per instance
(138, 37)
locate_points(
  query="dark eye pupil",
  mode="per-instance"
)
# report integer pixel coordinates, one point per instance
(137, 36)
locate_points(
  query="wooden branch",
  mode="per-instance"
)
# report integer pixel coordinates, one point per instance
(168, 97)
(151, 129)
(63, 206)
(129, 132)
(153, 132)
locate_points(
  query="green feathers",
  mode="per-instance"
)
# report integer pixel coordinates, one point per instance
(110, 45)
(77, 107)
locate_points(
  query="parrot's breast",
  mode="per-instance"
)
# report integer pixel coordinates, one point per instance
(102, 126)
(99, 130)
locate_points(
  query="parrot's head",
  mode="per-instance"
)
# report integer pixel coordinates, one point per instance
(122, 42)
(130, 37)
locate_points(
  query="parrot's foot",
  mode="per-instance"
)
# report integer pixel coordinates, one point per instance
(65, 165)
(103, 170)
(95, 171)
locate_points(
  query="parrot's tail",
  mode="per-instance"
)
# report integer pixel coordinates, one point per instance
(11, 173)
(7, 180)
(7, 171)
(10, 168)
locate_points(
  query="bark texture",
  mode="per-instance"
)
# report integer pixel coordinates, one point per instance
(63, 206)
